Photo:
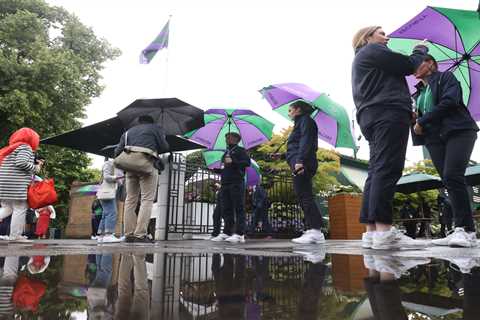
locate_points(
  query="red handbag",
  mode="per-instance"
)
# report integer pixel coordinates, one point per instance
(41, 194)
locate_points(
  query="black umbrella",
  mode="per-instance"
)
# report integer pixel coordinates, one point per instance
(416, 182)
(97, 137)
(173, 115)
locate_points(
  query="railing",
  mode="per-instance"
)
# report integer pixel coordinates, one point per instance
(191, 201)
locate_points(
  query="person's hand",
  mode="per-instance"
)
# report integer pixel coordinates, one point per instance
(424, 43)
(228, 160)
(39, 164)
(418, 129)
(414, 117)
(299, 169)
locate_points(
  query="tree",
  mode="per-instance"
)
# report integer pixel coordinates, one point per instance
(50, 67)
(328, 161)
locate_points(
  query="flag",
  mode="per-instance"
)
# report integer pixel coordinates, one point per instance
(160, 42)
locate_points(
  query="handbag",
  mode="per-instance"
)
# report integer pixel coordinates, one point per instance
(132, 159)
(41, 194)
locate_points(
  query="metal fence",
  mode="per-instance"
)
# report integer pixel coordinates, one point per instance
(191, 201)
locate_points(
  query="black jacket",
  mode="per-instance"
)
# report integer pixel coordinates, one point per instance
(149, 136)
(378, 77)
(449, 113)
(235, 171)
(302, 144)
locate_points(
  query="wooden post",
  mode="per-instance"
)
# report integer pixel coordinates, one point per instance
(344, 213)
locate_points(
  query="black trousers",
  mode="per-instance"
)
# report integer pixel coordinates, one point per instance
(308, 308)
(303, 188)
(471, 298)
(233, 205)
(230, 285)
(385, 299)
(217, 215)
(450, 157)
(387, 138)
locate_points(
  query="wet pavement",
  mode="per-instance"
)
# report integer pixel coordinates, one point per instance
(77, 279)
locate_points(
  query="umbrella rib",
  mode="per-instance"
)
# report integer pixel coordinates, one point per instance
(252, 125)
(439, 47)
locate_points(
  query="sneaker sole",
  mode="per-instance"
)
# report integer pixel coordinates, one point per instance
(454, 244)
(310, 242)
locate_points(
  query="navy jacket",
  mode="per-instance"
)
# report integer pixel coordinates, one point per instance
(302, 144)
(378, 77)
(149, 136)
(235, 171)
(449, 113)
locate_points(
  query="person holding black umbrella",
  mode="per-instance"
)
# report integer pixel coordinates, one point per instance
(449, 133)
(148, 139)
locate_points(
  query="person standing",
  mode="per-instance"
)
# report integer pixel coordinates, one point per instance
(218, 215)
(107, 196)
(449, 134)
(235, 161)
(17, 166)
(301, 156)
(148, 138)
(97, 212)
(260, 206)
(384, 113)
(408, 213)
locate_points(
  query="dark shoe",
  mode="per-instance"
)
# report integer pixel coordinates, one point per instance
(130, 238)
(143, 239)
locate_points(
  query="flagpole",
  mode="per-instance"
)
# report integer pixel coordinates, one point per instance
(165, 88)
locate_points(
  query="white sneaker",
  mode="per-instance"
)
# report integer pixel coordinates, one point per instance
(220, 237)
(464, 264)
(235, 238)
(461, 238)
(314, 256)
(93, 237)
(18, 239)
(310, 236)
(110, 239)
(394, 239)
(99, 238)
(397, 265)
(367, 239)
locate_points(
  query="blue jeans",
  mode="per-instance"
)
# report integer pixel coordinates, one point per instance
(109, 217)
(104, 271)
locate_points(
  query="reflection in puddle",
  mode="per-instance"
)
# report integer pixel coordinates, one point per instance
(224, 286)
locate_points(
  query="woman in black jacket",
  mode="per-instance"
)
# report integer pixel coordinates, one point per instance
(449, 134)
(384, 114)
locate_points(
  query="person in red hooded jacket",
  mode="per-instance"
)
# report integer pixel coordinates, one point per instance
(17, 165)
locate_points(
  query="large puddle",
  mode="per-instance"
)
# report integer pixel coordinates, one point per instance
(223, 286)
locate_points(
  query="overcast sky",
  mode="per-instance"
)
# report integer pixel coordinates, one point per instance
(222, 52)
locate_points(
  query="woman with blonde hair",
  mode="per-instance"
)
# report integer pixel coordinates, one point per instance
(384, 113)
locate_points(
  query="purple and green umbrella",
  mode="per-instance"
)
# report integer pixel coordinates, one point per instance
(88, 190)
(454, 37)
(331, 118)
(213, 160)
(253, 128)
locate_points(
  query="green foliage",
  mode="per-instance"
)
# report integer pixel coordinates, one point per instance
(50, 67)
